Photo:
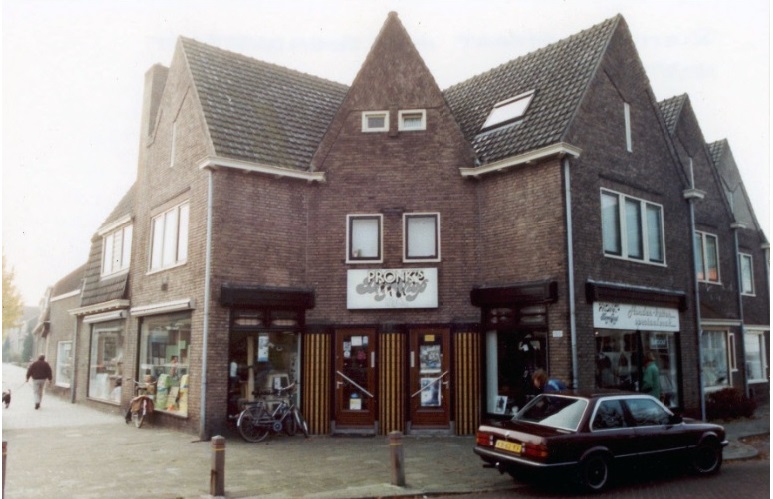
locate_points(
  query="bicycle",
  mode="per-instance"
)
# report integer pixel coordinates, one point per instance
(141, 405)
(256, 421)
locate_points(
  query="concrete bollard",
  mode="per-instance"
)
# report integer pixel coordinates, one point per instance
(217, 475)
(396, 455)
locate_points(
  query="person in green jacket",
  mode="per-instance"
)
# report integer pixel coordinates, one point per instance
(651, 377)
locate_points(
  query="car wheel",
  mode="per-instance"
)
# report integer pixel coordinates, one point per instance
(594, 472)
(707, 458)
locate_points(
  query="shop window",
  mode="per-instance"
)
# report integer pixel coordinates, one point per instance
(511, 359)
(747, 275)
(63, 375)
(116, 251)
(375, 121)
(364, 238)
(632, 228)
(170, 238)
(165, 360)
(421, 237)
(756, 365)
(106, 361)
(714, 365)
(707, 257)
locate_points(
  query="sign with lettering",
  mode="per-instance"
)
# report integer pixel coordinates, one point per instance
(610, 315)
(391, 288)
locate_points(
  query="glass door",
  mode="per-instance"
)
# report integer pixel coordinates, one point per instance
(355, 378)
(430, 378)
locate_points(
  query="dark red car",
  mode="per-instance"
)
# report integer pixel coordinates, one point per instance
(590, 436)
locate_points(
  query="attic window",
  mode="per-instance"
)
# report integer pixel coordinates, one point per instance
(375, 121)
(509, 110)
(415, 119)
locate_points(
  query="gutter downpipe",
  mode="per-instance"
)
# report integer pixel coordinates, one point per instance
(203, 434)
(570, 273)
(739, 279)
(691, 195)
(74, 381)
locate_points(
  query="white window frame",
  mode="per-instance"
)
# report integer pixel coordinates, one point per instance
(724, 350)
(759, 338)
(744, 257)
(366, 115)
(63, 363)
(627, 115)
(701, 263)
(111, 264)
(178, 237)
(508, 111)
(352, 254)
(401, 120)
(435, 257)
(622, 229)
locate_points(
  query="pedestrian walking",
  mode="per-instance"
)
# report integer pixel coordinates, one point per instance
(40, 372)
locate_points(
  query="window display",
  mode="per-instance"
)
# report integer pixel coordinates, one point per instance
(106, 361)
(511, 359)
(165, 360)
(714, 359)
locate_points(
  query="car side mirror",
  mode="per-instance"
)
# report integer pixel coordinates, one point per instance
(675, 419)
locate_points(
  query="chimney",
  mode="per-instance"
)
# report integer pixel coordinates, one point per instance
(155, 80)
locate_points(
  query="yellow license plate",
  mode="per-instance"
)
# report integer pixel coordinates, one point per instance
(510, 446)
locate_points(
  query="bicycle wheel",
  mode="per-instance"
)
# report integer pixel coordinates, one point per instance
(249, 424)
(290, 425)
(301, 422)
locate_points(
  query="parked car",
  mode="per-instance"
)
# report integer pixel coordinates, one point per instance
(590, 436)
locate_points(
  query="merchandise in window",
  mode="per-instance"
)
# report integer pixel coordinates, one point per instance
(63, 375)
(511, 359)
(165, 360)
(106, 361)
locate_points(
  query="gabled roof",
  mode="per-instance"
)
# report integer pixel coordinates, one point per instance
(96, 290)
(71, 282)
(260, 112)
(559, 74)
(733, 184)
(671, 109)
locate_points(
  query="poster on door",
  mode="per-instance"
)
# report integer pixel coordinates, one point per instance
(429, 359)
(430, 392)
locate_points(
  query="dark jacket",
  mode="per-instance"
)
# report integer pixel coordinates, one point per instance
(39, 370)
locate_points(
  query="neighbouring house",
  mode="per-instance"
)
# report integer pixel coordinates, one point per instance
(405, 257)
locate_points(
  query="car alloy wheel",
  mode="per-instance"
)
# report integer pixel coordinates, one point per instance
(594, 472)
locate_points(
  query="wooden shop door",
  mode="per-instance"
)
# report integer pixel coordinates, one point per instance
(430, 378)
(355, 378)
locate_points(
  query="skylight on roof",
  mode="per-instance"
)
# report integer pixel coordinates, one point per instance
(508, 110)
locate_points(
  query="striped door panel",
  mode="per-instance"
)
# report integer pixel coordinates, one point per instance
(391, 388)
(467, 382)
(315, 385)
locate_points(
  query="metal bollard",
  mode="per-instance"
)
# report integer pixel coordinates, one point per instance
(396, 454)
(217, 475)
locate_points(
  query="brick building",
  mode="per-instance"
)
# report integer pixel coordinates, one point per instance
(405, 255)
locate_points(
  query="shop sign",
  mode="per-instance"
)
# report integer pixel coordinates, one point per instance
(392, 288)
(610, 315)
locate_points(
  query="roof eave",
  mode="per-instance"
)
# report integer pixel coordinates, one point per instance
(560, 149)
(216, 162)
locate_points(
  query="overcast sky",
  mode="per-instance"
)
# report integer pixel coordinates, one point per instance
(72, 78)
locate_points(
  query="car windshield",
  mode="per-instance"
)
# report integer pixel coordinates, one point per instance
(555, 411)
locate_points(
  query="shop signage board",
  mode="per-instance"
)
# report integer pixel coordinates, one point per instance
(609, 315)
(392, 288)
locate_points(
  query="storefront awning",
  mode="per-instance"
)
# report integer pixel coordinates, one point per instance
(518, 294)
(613, 292)
(232, 295)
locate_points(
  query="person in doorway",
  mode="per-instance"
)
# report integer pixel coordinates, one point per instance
(650, 380)
(40, 372)
(543, 384)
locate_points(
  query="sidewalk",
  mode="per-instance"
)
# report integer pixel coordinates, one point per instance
(69, 450)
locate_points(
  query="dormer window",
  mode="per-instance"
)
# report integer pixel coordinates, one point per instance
(509, 110)
(412, 120)
(116, 250)
(375, 121)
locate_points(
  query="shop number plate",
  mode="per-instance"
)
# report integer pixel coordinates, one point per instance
(501, 444)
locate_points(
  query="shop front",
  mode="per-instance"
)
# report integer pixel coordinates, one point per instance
(626, 334)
